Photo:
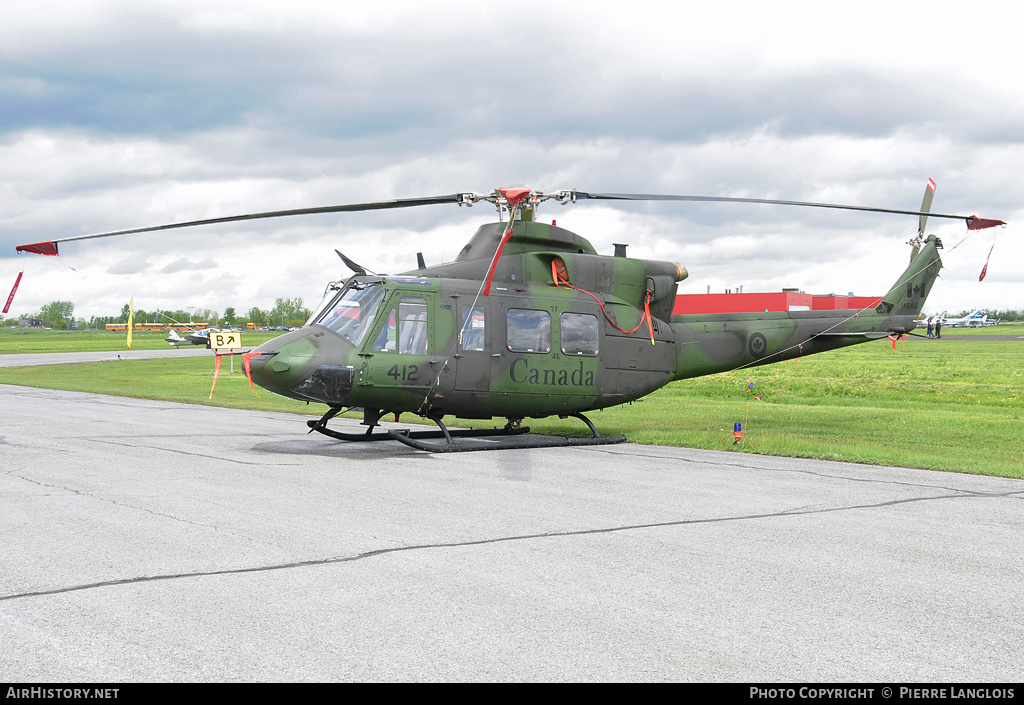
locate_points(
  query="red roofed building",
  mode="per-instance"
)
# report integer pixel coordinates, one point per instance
(770, 301)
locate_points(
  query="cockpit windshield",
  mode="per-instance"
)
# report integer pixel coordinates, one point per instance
(351, 315)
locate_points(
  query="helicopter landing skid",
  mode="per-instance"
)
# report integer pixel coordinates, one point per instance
(390, 435)
(461, 440)
(514, 438)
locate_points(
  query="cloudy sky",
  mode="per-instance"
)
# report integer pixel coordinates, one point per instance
(117, 114)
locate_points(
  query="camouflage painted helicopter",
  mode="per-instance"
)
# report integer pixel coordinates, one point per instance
(530, 321)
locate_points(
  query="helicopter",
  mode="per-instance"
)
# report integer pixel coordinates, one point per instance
(530, 321)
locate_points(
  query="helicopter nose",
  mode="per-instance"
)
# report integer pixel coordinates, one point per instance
(291, 365)
(284, 362)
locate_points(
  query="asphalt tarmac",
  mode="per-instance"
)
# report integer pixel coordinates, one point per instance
(65, 358)
(153, 541)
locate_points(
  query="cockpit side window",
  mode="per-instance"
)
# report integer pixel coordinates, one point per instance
(405, 330)
(472, 331)
(352, 314)
(412, 313)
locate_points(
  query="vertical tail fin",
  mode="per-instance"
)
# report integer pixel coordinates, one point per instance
(908, 294)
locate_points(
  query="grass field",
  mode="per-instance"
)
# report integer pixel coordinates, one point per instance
(945, 405)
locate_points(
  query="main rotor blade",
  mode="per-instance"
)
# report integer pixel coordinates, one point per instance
(973, 222)
(374, 206)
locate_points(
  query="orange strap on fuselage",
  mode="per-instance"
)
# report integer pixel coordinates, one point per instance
(558, 280)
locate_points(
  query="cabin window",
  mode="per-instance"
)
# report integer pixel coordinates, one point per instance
(412, 314)
(528, 330)
(579, 333)
(352, 315)
(473, 328)
(405, 330)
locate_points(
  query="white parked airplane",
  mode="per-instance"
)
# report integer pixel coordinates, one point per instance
(199, 337)
(974, 320)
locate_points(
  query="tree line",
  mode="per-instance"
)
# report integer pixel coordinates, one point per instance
(61, 315)
(286, 312)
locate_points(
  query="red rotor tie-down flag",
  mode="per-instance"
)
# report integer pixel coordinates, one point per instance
(976, 223)
(984, 270)
(7, 306)
(513, 197)
(216, 370)
(494, 262)
(49, 247)
(247, 363)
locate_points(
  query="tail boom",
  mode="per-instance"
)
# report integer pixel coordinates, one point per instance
(707, 344)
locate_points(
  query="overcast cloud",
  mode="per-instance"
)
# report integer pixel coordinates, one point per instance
(117, 114)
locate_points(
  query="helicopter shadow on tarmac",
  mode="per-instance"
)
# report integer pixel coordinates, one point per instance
(512, 465)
